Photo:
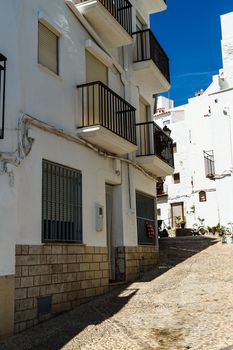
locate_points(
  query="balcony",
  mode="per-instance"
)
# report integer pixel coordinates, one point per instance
(151, 63)
(162, 188)
(152, 6)
(209, 164)
(112, 20)
(155, 151)
(3, 60)
(107, 120)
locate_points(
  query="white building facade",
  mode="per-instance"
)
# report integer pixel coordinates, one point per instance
(78, 162)
(202, 182)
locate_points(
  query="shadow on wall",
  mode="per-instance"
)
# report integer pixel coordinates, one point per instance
(57, 332)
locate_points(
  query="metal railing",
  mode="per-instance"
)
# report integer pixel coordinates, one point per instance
(99, 105)
(154, 141)
(3, 60)
(121, 10)
(147, 47)
(162, 189)
(209, 164)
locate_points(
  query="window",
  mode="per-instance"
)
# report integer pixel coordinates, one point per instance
(159, 212)
(174, 147)
(176, 178)
(145, 208)
(209, 164)
(202, 196)
(48, 48)
(61, 203)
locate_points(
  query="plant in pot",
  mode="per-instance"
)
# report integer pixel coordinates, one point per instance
(178, 221)
(182, 224)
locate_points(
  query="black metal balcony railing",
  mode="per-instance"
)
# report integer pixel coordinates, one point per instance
(154, 141)
(147, 48)
(162, 189)
(209, 164)
(99, 105)
(3, 60)
(121, 10)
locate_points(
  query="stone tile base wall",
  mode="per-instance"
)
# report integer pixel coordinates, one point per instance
(140, 259)
(69, 274)
(7, 284)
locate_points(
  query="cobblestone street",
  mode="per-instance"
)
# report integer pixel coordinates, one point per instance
(188, 306)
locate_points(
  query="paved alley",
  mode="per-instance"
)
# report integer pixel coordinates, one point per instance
(187, 306)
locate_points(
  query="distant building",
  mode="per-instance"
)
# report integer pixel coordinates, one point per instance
(202, 130)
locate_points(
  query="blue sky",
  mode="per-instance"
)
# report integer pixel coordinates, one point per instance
(190, 33)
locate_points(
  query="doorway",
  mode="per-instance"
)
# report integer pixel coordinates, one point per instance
(177, 209)
(110, 232)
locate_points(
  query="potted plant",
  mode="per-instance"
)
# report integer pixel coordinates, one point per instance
(178, 221)
(182, 224)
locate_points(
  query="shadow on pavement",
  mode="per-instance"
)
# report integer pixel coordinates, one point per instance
(57, 332)
(175, 250)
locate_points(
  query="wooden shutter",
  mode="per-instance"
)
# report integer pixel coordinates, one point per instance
(47, 48)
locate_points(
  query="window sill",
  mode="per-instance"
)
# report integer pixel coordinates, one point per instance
(64, 243)
(48, 71)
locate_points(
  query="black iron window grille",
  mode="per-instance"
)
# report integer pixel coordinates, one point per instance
(61, 203)
(121, 10)
(145, 208)
(209, 164)
(99, 105)
(3, 60)
(147, 48)
(154, 141)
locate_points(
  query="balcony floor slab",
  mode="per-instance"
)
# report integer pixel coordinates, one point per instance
(152, 6)
(155, 165)
(106, 140)
(150, 77)
(107, 26)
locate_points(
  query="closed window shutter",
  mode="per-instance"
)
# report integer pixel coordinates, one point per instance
(48, 48)
(95, 70)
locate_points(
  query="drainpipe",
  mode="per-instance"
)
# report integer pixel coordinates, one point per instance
(226, 111)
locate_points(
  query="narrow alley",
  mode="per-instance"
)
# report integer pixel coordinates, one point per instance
(184, 305)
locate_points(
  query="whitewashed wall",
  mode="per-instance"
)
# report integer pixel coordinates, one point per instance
(34, 91)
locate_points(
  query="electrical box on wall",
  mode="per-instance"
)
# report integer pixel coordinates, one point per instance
(99, 216)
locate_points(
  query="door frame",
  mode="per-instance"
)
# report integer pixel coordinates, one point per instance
(175, 205)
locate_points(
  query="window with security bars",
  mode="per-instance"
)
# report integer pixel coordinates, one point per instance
(61, 203)
(48, 48)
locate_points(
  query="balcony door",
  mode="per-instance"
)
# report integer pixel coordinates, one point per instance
(144, 137)
(95, 69)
